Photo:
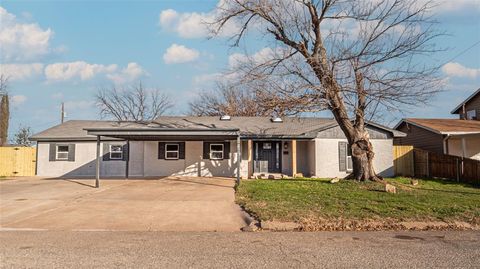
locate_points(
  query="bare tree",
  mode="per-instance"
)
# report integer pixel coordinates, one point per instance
(134, 103)
(4, 110)
(353, 57)
(239, 100)
(22, 136)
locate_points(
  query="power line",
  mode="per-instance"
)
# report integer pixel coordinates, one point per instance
(462, 52)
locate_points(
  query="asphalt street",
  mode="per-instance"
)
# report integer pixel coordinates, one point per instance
(103, 249)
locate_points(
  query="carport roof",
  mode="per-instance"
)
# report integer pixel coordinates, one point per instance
(174, 126)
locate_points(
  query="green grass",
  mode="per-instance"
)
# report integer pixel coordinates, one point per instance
(303, 199)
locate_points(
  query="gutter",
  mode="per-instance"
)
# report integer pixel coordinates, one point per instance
(445, 144)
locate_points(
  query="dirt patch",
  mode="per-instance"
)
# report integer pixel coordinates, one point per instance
(381, 225)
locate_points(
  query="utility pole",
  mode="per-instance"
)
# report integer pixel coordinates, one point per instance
(63, 112)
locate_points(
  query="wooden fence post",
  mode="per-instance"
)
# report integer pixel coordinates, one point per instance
(458, 170)
(428, 164)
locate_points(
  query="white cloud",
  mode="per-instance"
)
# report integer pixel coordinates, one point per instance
(193, 24)
(21, 71)
(78, 105)
(73, 70)
(128, 74)
(57, 96)
(179, 54)
(168, 18)
(18, 100)
(453, 69)
(264, 55)
(206, 79)
(442, 6)
(22, 41)
(81, 70)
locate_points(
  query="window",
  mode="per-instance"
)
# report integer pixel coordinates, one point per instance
(216, 151)
(267, 145)
(172, 151)
(116, 152)
(62, 152)
(349, 158)
(471, 115)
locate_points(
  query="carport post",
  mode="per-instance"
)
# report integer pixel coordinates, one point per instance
(97, 171)
(239, 158)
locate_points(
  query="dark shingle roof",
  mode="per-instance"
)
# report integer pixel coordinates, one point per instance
(248, 126)
(74, 129)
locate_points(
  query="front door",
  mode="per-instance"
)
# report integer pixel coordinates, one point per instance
(267, 157)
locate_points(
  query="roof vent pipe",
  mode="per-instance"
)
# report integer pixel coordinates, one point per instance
(277, 119)
(225, 117)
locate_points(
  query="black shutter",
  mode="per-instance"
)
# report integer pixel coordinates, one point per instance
(206, 150)
(126, 151)
(71, 152)
(52, 152)
(342, 156)
(106, 152)
(181, 150)
(226, 150)
(161, 150)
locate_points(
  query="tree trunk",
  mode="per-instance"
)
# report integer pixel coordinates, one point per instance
(4, 117)
(362, 158)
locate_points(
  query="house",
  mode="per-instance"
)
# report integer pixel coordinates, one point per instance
(444, 136)
(205, 146)
(459, 137)
(470, 108)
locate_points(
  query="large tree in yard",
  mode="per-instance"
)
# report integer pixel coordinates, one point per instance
(351, 57)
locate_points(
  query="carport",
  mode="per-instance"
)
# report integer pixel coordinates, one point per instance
(162, 134)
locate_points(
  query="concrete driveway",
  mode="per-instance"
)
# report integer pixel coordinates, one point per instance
(165, 204)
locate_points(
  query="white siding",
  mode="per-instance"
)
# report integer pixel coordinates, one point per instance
(83, 166)
(327, 157)
(143, 162)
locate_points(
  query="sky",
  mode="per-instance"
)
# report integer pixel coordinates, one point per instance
(64, 51)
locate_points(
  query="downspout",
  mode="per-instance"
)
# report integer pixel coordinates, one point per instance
(239, 158)
(445, 144)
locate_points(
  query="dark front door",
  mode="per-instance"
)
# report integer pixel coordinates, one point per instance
(267, 157)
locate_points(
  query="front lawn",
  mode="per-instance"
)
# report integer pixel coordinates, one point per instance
(318, 200)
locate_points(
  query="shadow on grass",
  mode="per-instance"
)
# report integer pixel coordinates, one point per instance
(451, 182)
(324, 181)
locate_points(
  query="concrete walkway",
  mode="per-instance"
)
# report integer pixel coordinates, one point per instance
(166, 204)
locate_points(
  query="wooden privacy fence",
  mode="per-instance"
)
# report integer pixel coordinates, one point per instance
(403, 161)
(17, 161)
(420, 163)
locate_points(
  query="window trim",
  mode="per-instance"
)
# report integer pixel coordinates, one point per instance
(216, 151)
(56, 152)
(348, 155)
(176, 151)
(110, 151)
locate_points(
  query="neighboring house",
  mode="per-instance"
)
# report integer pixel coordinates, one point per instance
(470, 108)
(459, 137)
(205, 146)
(444, 136)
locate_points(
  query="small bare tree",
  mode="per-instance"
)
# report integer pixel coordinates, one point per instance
(22, 137)
(4, 110)
(239, 100)
(352, 57)
(134, 103)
